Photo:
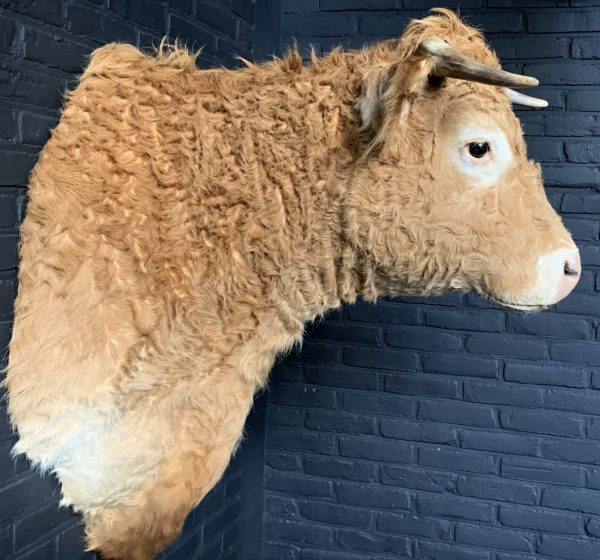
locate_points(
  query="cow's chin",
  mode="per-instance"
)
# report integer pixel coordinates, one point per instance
(527, 307)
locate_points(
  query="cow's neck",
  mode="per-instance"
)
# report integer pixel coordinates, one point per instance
(326, 270)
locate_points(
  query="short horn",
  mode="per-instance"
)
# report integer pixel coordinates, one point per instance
(522, 99)
(450, 63)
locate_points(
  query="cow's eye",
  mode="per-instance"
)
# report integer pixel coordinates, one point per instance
(478, 149)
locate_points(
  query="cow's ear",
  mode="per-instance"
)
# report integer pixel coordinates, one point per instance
(374, 84)
(387, 92)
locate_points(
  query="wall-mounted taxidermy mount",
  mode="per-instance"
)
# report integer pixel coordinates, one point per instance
(183, 225)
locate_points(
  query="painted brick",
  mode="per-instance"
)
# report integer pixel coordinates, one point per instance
(281, 507)
(498, 22)
(384, 313)
(301, 485)
(500, 442)
(547, 374)
(379, 404)
(583, 100)
(275, 551)
(22, 495)
(469, 366)
(381, 359)
(216, 18)
(467, 461)
(541, 471)
(570, 176)
(285, 416)
(355, 541)
(549, 325)
(381, 25)
(340, 469)
(457, 413)
(453, 507)
(148, 13)
(414, 525)
(297, 531)
(330, 330)
(418, 338)
(568, 549)
(582, 151)
(563, 22)
(421, 385)
(507, 346)
(35, 129)
(573, 124)
(487, 321)
(45, 551)
(362, 5)
(417, 431)
(496, 538)
(327, 25)
(495, 393)
(47, 12)
(576, 352)
(291, 440)
(341, 377)
(572, 499)
(498, 489)
(336, 514)
(41, 522)
(573, 451)
(372, 496)
(438, 551)
(577, 401)
(530, 47)
(418, 478)
(98, 25)
(545, 150)
(538, 519)
(16, 166)
(581, 304)
(283, 461)
(5, 541)
(301, 395)
(335, 421)
(375, 450)
(345, 555)
(195, 36)
(542, 422)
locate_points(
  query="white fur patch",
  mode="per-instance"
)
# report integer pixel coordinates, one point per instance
(488, 170)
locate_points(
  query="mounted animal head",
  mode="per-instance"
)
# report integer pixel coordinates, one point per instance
(444, 196)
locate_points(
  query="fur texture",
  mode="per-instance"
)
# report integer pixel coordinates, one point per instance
(183, 225)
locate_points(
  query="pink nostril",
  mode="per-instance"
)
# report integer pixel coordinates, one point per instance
(572, 266)
(571, 273)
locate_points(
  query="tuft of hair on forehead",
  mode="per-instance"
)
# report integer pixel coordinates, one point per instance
(446, 25)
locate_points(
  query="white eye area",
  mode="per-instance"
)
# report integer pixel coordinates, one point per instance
(481, 154)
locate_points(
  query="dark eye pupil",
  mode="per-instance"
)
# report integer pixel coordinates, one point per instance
(479, 149)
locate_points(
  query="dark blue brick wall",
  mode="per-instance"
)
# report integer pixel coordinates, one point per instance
(449, 429)
(43, 46)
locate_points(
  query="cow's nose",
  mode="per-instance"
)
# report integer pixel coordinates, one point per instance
(570, 274)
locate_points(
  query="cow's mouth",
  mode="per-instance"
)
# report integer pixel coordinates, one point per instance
(520, 306)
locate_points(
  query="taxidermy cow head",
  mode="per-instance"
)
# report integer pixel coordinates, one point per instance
(445, 197)
(183, 225)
